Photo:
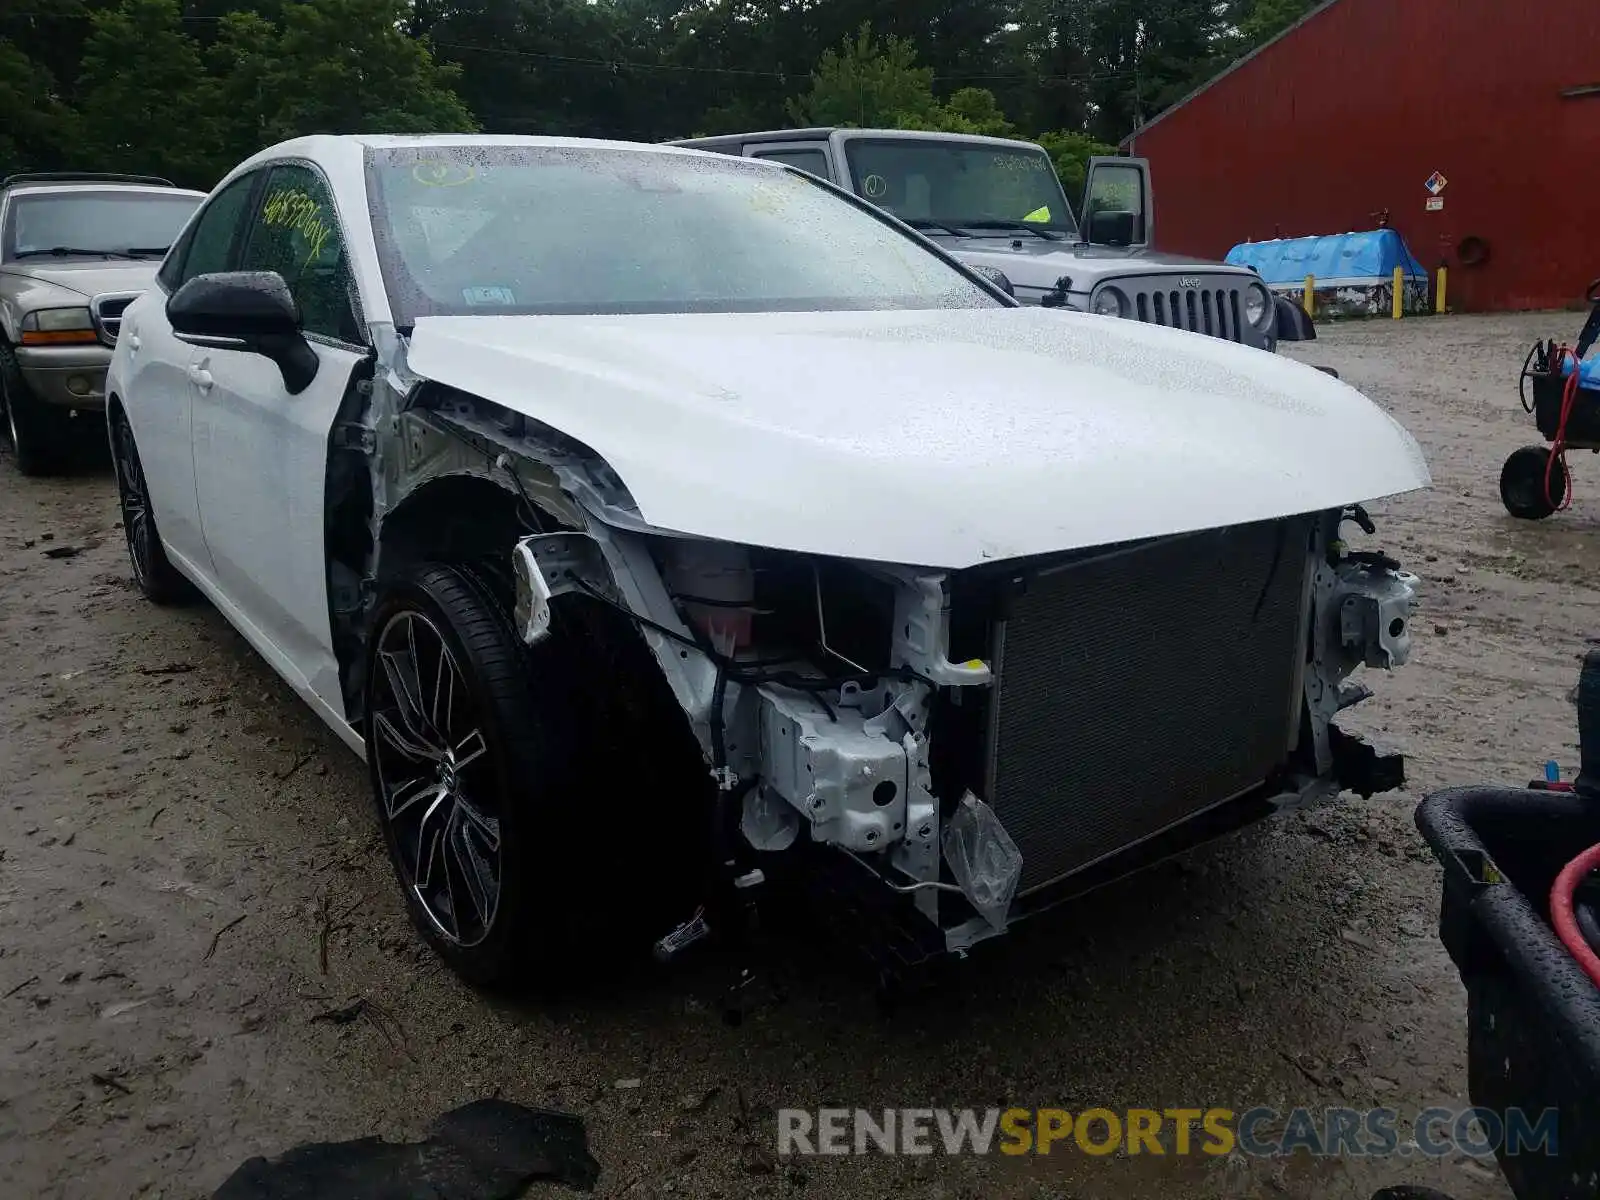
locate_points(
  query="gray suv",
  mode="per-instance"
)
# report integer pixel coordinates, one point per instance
(998, 206)
(75, 249)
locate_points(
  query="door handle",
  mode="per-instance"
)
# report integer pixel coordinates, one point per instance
(133, 343)
(200, 377)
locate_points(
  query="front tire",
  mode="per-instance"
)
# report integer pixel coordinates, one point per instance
(35, 432)
(1522, 483)
(157, 578)
(470, 752)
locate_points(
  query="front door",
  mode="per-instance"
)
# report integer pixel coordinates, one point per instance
(261, 453)
(158, 372)
(1118, 202)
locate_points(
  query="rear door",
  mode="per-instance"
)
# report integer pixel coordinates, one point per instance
(1118, 202)
(811, 157)
(261, 453)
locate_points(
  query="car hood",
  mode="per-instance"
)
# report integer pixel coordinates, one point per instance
(936, 438)
(89, 278)
(1031, 262)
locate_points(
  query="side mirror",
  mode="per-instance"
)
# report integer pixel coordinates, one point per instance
(250, 311)
(1294, 323)
(1056, 297)
(1111, 227)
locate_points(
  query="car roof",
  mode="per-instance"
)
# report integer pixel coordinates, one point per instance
(325, 145)
(36, 189)
(818, 133)
(344, 153)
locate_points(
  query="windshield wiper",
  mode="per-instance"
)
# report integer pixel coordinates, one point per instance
(66, 251)
(924, 223)
(148, 251)
(1048, 235)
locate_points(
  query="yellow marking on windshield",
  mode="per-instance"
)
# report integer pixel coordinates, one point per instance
(440, 173)
(1039, 214)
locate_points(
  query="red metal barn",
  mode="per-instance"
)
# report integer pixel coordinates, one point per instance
(1354, 109)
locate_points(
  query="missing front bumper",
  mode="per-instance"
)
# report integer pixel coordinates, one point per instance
(1363, 767)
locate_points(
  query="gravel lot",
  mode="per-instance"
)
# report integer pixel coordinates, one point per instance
(189, 872)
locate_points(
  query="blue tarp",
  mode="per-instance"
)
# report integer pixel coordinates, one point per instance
(1588, 371)
(1369, 257)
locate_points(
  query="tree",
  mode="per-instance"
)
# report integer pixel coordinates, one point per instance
(146, 104)
(335, 66)
(865, 85)
(1266, 19)
(975, 110)
(1071, 153)
(132, 84)
(37, 124)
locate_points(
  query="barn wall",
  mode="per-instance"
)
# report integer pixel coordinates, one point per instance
(1352, 111)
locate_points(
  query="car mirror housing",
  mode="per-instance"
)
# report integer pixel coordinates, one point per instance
(251, 311)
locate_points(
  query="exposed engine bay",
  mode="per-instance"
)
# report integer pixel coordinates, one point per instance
(969, 746)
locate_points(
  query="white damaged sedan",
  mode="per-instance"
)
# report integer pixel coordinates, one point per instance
(664, 527)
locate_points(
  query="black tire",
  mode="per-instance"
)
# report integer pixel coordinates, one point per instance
(157, 578)
(517, 702)
(36, 433)
(1522, 483)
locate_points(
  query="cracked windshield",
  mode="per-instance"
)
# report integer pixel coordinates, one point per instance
(963, 187)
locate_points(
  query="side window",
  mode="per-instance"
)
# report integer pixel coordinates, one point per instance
(296, 234)
(1114, 207)
(811, 161)
(211, 242)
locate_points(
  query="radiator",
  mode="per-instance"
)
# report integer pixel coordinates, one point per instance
(1137, 688)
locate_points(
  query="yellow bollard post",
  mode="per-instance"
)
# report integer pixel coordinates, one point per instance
(1399, 293)
(1444, 285)
(1309, 302)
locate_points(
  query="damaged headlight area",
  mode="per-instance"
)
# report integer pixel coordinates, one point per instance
(958, 749)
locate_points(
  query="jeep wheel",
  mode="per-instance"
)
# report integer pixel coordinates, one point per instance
(157, 578)
(1522, 483)
(473, 773)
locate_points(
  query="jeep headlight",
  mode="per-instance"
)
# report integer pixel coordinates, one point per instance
(1109, 302)
(54, 326)
(1257, 305)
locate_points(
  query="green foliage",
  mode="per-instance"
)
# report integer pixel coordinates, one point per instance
(333, 66)
(151, 98)
(146, 103)
(868, 85)
(189, 87)
(36, 124)
(1268, 18)
(1071, 153)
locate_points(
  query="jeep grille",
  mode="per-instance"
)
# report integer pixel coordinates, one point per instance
(1209, 306)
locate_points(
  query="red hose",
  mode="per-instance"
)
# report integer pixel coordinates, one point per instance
(1563, 917)
(1558, 447)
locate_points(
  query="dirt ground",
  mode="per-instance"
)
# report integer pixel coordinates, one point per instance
(190, 873)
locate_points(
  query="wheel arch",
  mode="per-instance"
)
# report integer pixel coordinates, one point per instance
(457, 517)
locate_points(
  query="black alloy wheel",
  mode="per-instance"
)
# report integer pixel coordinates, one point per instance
(157, 578)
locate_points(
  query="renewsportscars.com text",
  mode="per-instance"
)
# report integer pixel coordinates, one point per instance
(1259, 1132)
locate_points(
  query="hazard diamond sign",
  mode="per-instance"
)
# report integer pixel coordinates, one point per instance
(1436, 183)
